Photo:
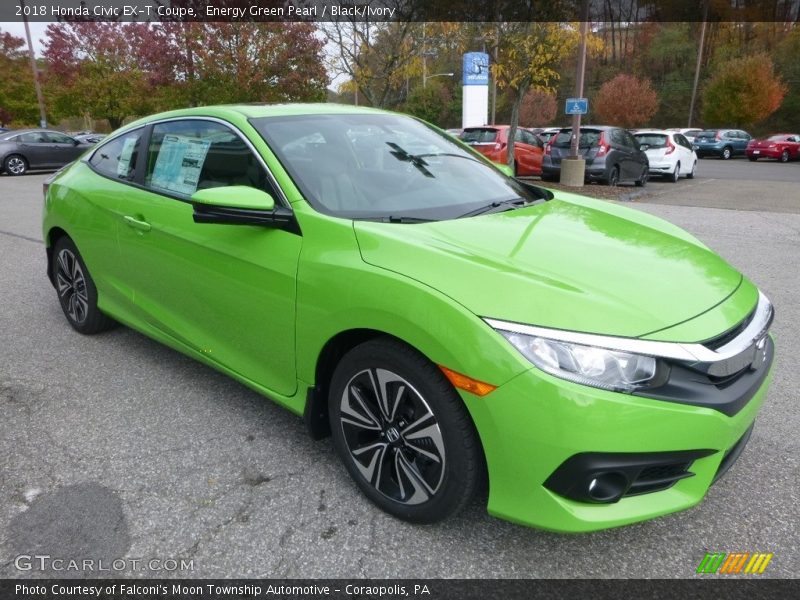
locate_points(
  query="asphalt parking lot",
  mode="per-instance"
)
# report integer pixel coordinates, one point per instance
(114, 446)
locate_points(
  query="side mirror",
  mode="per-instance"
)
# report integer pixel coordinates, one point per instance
(235, 196)
(240, 205)
(506, 170)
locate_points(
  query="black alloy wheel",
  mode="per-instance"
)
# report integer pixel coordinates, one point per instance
(403, 432)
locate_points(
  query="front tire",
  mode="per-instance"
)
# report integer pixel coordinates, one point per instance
(403, 432)
(784, 156)
(15, 165)
(77, 293)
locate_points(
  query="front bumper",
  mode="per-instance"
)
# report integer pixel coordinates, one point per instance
(535, 423)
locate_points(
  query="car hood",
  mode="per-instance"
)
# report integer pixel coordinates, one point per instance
(572, 263)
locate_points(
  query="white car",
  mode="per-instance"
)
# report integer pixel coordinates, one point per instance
(689, 132)
(669, 152)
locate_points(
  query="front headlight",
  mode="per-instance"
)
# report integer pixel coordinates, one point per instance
(588, 365)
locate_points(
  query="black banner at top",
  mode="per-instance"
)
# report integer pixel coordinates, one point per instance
(785, 11)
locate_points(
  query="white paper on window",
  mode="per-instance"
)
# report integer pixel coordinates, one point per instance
(179, 163)
(124, 164)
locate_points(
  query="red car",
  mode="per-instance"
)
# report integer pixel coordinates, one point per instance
(781, 146)
(492, 142)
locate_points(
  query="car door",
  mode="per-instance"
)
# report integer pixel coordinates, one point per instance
(742, 141)
(35, 148)
(63, 149)
(685, 152)
(531, 150)
(225, 291)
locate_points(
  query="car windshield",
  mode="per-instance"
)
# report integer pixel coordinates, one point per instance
(479, 136)
(385, 167)
(652, 140)
(589, 138)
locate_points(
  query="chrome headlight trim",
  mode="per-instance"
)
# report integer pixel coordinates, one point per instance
(722, 361)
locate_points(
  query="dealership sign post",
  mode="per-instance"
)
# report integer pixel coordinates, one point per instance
(475, 102)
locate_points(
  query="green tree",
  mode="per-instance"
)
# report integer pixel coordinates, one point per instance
(743, 91)
(17, 93)
(528, 57)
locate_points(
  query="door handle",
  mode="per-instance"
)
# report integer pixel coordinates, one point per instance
(136, 223)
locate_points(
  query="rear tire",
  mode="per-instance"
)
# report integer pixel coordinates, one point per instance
(676, 174)
(642, 181)
(403, 433)
(613, 177)
(726, 153)
(691, 173)
(77, 293)
(752, 158)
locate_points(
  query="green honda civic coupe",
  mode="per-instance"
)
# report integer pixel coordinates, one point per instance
(452, 328)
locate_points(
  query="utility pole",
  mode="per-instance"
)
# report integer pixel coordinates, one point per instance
(576, 119)
(573, 167)
(699, 63)
(39, 96)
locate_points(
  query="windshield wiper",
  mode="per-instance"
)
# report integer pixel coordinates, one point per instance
(415, 160)
(509, 204)
(395, 219)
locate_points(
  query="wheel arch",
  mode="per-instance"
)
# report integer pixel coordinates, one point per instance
(315, 414)
(53, 235)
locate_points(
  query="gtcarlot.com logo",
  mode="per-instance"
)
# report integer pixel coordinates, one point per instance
(735, 563)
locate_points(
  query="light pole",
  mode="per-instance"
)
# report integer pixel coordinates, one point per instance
(425, 77)
(39, 96)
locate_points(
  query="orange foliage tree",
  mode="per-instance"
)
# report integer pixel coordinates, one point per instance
(626, 101)
(742, 92)
(538, 108)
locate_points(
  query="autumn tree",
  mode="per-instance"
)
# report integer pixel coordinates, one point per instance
(93, 68)
(742, 92)
(253, 62)
(17, 93)
(377, 57)
(626, 101)
(529, 54)
(538, 108)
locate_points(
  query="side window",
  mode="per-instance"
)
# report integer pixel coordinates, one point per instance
(57, 138)
(189, 155)
(117, 158)
(32, 137)
(617, 139)
(630, 141)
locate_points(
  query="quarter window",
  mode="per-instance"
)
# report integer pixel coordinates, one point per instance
(190, 155)
(117, 158)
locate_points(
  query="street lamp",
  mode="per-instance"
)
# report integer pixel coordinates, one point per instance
(425, 77)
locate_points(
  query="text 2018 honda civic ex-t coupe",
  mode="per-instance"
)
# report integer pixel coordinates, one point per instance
(447, 324)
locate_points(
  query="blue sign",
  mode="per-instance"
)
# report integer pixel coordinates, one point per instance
(577, 106)
(476, 68)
